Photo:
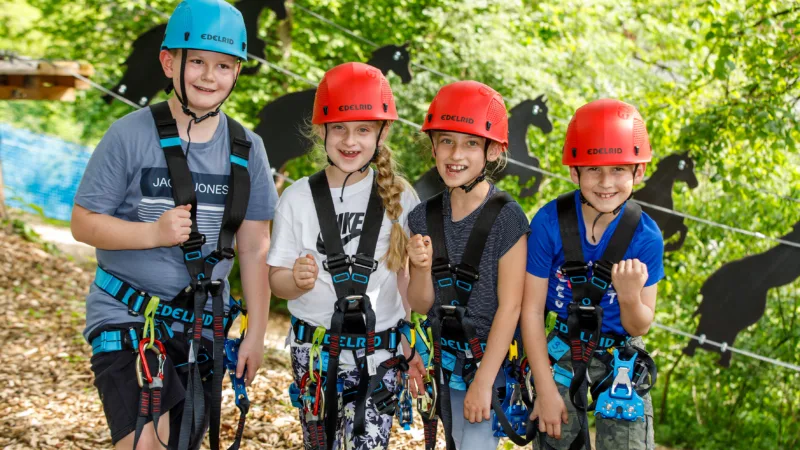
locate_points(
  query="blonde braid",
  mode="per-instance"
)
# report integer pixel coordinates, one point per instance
(390, 188)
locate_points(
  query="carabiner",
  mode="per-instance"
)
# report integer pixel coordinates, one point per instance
(161, 353)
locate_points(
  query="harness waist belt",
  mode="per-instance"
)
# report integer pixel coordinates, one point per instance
(127, 339)
(136, 300)
(384, 340)
(606, 341)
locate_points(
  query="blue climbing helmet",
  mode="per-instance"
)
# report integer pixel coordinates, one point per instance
(213, 25)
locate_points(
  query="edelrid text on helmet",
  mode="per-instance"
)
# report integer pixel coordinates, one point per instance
(469, 120)
(211, 25)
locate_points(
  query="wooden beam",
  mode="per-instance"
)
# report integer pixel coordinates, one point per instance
(22, 79)
(61, 93)
(55, 68)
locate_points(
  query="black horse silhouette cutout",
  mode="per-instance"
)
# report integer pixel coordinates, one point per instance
(735, 296)
(527, 113)
(658, 191)
(282, 121)
(144, 78)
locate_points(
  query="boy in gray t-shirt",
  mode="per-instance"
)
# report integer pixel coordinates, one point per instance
(124, 207)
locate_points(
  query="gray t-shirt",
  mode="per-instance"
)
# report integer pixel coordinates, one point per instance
(127, 178)
(510, 225)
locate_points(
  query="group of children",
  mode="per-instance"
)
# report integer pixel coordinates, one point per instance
(356, 254)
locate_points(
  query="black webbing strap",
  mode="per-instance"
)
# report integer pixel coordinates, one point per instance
(182, 183)
(584, 313)
(201, 269)
(238, 188)
(456, 281)
(350, 275)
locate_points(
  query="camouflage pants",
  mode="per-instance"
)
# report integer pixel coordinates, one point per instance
(378, 426)
(612, 434)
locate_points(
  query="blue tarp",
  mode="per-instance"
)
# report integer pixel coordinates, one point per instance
(41, 170)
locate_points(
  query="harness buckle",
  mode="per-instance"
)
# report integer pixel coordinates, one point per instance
(364, 261)
(575, 271)
(602, 268)
(385, 401)
(466, 271)
(227, 253)
(132, 304)
(336, 261)
(195, 242)
(441, 267)
(143, 374)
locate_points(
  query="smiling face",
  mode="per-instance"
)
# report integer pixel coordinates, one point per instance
(351, 145)
(460, 157)
(208, 76)
(607, 187)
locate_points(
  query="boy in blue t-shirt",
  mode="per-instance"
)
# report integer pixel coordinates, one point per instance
(165, 192)
(596, 242)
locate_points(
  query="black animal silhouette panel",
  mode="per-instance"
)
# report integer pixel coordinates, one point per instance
(735, 296)
(658, 191)
(527, 113)
(144, 78)
(282, 121)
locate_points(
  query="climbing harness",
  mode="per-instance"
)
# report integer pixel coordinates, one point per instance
(582, 334)
(452, 327)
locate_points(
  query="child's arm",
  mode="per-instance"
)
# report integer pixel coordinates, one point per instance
(549, 407)
(416, 367)
(292, 283)
(510, 279)
(637, 303)
(252, 243)
(110, 233)
(420, 283)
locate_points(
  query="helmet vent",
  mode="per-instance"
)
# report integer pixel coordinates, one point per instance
(386, 94)
(639, 133)
(186, 36)
(497, 111)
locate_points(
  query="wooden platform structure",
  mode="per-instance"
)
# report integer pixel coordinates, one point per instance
(27, 79)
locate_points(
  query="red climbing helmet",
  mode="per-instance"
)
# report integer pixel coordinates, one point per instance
(606, 132)
(469, 107)
(351, 92)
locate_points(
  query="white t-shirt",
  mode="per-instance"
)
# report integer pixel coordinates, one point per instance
(296, 233)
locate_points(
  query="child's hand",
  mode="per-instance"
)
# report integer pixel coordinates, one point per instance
(251, 355)
(416, 372)
(174, 226)
(629, 277)
(420, 251)
(478, 402)
(551, 411)
(305, 272)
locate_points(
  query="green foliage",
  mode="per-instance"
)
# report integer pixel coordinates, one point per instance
(717, 78)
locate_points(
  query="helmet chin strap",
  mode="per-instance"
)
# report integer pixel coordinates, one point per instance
(364, 167)
(482, 176)
(616, 210)
(185, 100)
